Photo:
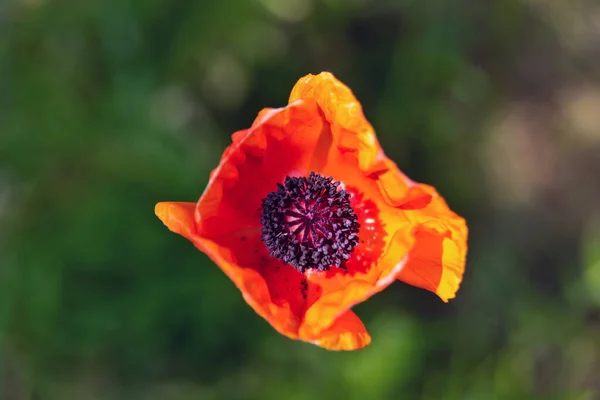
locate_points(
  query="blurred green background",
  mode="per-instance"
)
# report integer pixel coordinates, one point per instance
(107, 107)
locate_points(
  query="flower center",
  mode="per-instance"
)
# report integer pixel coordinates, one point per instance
(309, 223)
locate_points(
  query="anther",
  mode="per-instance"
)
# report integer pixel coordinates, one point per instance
(309, 223)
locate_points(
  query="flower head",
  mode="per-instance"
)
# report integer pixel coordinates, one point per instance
(308, 217)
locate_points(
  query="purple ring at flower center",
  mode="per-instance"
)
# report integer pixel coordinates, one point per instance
(309, 223)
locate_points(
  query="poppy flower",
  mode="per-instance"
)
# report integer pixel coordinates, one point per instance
(308, 217)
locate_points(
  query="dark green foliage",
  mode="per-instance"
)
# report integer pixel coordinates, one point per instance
(107, 107)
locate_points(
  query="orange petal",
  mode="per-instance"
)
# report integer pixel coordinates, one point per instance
(437, 261)
(407, 209)
(179, 218)
(281, 142)
(350, 129)
(347, 333)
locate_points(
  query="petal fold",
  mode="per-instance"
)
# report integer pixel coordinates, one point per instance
(347, 333)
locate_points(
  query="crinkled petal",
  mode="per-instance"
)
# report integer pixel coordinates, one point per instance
(425, 242)
(179, 218)
(437, 260)
(347, 333)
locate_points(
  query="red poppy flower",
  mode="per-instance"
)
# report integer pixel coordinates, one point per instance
(308, 217)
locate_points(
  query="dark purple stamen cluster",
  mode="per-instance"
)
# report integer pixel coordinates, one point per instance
(309, 223)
